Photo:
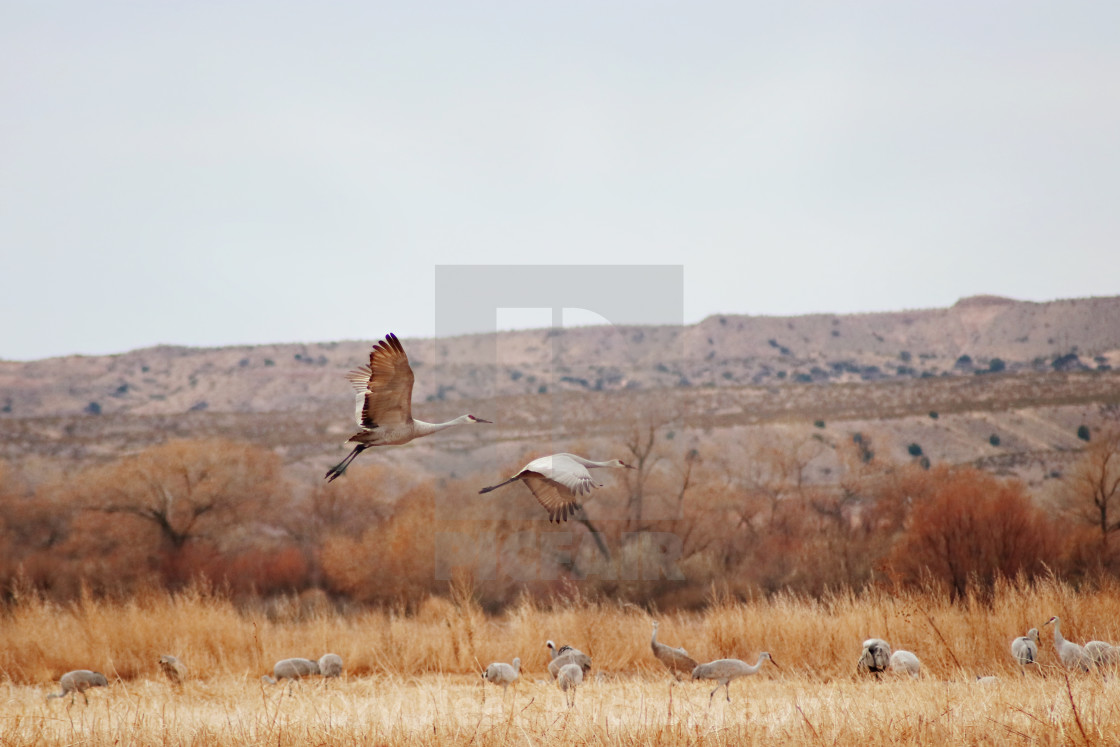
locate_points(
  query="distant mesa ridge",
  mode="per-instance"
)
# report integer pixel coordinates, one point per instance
(977, 335)
(985, 300)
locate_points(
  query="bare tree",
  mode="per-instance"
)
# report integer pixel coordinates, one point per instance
(1091, 492)
(642, 445)
(189, 489)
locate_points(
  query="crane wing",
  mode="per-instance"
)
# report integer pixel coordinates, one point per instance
(559, 500)
(565, 471)
(384, 387)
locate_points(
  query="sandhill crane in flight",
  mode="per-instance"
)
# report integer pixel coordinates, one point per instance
(1072, 655)
(676, 659)
(725, 670)
(384, 403)
(558, 480)
(1025, 649)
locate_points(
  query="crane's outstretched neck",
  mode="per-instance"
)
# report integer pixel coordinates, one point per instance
(1058, 639)
(590, 464)
(424, 429)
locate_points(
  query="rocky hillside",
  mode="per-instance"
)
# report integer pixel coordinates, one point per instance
(975, 336)
(998, 383)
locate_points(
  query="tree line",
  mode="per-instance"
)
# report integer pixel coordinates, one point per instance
(684, 525)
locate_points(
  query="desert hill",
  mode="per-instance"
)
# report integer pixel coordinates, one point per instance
(949, 379)
(980, 334)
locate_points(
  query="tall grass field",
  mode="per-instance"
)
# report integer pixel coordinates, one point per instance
(414, 679)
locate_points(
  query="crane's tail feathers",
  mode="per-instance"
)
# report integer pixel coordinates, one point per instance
(499, 485)
(337, 470)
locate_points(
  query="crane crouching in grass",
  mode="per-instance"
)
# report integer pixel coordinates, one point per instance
(907, 663)
(875, 657)
(559, 481)
(676, 660)
(503, 674)
(1102, 654)
(1025, 649)
(175, 670)
(384, 404)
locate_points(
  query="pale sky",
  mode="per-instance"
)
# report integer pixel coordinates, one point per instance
(213, 173)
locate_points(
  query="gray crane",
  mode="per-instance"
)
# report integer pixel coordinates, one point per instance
(1025, 649)
(1102, 654)
(1071, 654)
(78, 681)
(558, 481)
(676, 660)
(725, 670)
(174, 669)
(875, 657)
(568, 678)
(906, 662)
(566, 655)
(291, 669)
(330, 665)
(503, 674)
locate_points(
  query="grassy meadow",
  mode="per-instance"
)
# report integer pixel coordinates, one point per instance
(414, 679)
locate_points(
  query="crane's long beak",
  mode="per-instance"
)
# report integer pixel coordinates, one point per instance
(480, 420)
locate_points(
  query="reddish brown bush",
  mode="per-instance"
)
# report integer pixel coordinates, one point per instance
(972, 528)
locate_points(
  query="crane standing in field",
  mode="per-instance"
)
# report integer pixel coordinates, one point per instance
(676, 660)
(725, 670)
(291, 669)
(78, 681)
(565, 655)
(1072, 655)
(1025, 649)
(384, 403)
(568, 679)
(558, 481)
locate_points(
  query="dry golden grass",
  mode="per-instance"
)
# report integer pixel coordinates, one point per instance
(413, 680)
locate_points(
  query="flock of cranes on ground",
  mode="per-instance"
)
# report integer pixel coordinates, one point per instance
(568, 666)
